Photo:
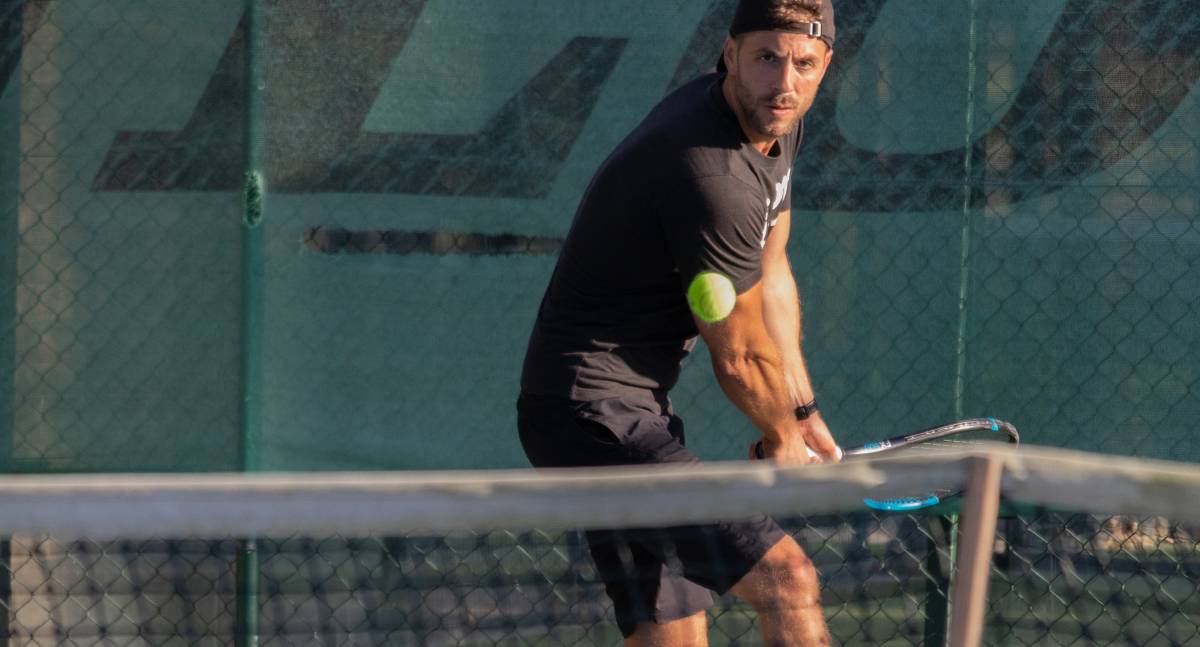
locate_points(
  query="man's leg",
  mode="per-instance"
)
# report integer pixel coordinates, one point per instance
(691, 631)
(653, 606)
(784, 590)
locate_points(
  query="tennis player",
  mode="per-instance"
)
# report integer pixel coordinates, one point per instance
(682, 231)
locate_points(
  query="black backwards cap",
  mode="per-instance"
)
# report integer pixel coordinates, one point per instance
(759, 15)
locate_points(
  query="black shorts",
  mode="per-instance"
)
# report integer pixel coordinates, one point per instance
(656, 574)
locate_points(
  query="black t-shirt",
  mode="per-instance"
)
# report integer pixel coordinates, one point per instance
(684, 193)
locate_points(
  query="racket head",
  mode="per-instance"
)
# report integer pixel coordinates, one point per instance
(954, 437)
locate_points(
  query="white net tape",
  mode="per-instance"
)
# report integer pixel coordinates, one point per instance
(224, 505)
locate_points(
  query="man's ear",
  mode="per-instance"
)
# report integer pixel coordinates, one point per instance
(729, 52)
(828, 61)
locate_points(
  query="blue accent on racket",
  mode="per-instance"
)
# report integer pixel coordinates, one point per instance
(904, 504)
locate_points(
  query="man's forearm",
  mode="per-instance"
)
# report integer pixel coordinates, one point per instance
(754, 380)
(781, 316)
(753, 373)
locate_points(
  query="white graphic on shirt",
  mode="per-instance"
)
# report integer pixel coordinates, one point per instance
(781, 190)
(767, 224)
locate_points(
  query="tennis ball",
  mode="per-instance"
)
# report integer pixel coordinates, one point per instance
(711, 296)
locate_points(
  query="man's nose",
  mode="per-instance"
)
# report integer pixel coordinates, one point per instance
(786, 79)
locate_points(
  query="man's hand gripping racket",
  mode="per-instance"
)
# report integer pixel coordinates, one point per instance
(758, 452)
(811, 443)
(964, 434)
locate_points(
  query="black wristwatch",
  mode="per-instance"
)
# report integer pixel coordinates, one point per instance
(805, 411)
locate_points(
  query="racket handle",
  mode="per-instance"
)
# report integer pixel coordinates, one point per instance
(760, 454)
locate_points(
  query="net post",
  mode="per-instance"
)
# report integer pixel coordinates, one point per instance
(977, 525)
(937, 585)
(246, 630)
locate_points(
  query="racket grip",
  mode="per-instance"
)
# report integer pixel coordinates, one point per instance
(760, 454)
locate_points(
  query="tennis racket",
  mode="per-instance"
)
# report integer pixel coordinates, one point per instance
(964, 434)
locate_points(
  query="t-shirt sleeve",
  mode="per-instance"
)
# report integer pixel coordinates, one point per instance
(716, 224)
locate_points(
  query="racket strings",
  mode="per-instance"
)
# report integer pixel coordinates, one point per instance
(949, 445)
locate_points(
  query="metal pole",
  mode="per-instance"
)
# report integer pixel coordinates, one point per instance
(960, 373)
(981, 508)
(960, 377)
(937, 585)
(10, 199)
(254, 194)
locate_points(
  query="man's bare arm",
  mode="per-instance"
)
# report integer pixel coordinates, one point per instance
(781, 310)
(752, 373)
(782, 318)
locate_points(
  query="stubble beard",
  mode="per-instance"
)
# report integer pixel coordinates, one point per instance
(757, 115)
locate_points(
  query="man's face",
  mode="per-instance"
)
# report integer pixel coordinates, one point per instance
(775, 76)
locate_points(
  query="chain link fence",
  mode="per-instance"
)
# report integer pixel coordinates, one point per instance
(1057, 579)
(995, 212)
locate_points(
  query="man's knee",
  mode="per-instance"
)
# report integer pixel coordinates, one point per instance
(793, 577)
(784, 578)
(691, 631)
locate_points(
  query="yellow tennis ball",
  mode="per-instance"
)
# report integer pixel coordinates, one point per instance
(711, 296)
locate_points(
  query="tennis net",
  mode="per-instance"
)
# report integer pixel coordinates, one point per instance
(1090, 549)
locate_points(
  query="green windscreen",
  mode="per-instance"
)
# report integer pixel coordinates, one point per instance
(994, 213)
